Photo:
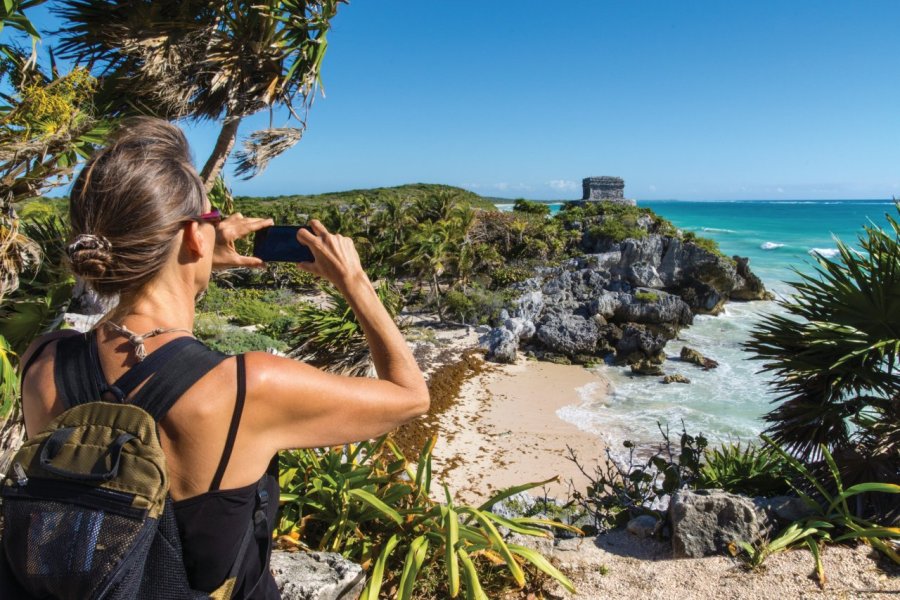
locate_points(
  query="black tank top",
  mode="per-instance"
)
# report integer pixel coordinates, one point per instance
(213, 524)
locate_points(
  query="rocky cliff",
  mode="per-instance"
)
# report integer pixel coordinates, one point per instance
(625, 299)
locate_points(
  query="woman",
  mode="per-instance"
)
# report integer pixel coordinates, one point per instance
(143, 229)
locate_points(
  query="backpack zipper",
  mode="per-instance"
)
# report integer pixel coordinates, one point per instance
(21, 477)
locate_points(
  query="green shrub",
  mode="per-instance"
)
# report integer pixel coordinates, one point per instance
(832, 351)
(502, 277)
(617, 230)
(234, 340)
(209, 325)
(707, 244)
(646, 296)
(367, 502)
(330, 336)
(531, 207)
(619, 492)
(476, 305)
(751, 470)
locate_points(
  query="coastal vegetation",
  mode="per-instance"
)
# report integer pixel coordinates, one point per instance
(374, 506)
(834, 434)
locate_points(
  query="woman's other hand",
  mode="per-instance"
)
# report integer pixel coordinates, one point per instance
(236, 227)
(336, 258)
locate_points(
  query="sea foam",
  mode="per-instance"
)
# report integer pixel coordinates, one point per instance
(825, 252)
(770, 245)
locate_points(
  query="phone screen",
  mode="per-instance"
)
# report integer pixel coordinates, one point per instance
(279, 244)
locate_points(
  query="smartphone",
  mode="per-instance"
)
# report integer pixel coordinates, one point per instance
(279, 244)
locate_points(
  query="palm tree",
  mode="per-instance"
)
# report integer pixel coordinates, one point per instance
(835, 355)
(205, 60)
(427, 252)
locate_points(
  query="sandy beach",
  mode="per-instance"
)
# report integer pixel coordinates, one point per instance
(504, 431)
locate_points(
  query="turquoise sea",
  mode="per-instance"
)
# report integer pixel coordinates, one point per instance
(727, 402)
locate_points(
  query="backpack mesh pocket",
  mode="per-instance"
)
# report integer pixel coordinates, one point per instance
(70, 551)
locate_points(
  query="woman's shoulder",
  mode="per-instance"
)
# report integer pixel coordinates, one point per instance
(37, 349)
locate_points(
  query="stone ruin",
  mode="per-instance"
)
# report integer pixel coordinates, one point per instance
(606, 189)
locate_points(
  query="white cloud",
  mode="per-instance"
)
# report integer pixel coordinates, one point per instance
(563, 185)
(652, 188)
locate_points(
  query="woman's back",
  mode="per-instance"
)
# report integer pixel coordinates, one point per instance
(213, 521)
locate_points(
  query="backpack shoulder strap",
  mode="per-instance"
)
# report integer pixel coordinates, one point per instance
(194, 359)
(73, 372)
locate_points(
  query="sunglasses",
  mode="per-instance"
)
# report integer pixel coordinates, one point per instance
(213, 216)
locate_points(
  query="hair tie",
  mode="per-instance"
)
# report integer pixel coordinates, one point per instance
(88, 241)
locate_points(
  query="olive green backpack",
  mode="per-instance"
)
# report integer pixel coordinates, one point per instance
(86, 513)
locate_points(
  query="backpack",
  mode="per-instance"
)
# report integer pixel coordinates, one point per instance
(86, 513)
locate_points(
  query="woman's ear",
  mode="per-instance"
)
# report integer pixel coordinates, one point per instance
(193, 239)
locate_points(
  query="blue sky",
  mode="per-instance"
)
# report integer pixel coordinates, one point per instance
(688, 100)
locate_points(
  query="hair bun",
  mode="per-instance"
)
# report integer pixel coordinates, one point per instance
(90, 255)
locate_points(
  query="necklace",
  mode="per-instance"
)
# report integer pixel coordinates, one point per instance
(138, 340)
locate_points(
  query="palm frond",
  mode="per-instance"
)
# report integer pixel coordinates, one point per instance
(835, 352)
(261, 147)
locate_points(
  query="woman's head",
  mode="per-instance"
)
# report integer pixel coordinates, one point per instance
(129, 203)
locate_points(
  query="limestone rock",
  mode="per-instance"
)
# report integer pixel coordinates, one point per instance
(645, 366)
(692, 356)
(675, 378)
(660, 308)
(751, 286)
(643, 526)
(705, 522)
(316, 576)
(637, 339)
(787, 508)
(501, 345)
(568, 334)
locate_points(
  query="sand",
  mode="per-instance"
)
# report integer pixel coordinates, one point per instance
(504, 431)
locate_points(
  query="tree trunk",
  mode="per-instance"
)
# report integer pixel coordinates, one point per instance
(222, 149)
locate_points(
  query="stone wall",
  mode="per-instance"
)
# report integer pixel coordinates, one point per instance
(603, 188)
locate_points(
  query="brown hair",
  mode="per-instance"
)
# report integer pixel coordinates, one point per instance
(128, 204)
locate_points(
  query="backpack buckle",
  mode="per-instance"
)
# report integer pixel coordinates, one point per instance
(21, 477)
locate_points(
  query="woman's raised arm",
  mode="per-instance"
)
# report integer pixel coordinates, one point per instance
(295, 405)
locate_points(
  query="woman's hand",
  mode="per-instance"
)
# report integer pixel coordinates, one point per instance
(336, 256)
(236, 227)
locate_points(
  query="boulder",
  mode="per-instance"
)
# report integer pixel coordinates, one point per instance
(646, 366)
(529, 305)
(655, 308)
(521, 328)
(692, 356)
(750, 286)
(787, 508)
(638, 339)
(705, 522)
(317, 576)
(501, 345)
(568, 334)
(643, 526)
(675, 378)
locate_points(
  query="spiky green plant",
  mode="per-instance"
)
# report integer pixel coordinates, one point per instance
(834, 355)
(367, 502)
(832, 519)
(329, 336)
(749, 469)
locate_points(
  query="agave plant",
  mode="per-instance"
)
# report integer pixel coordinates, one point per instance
(835, 355)
(367, 502)
(832, 519)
